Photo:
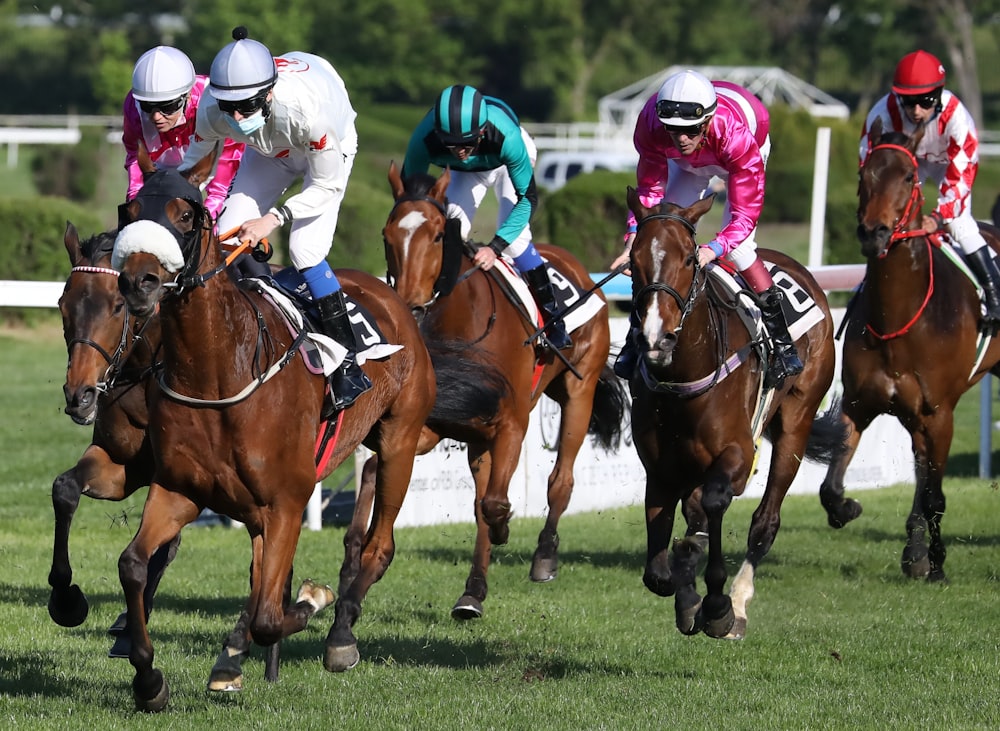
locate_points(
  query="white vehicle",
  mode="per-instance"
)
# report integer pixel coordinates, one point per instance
(554, 169)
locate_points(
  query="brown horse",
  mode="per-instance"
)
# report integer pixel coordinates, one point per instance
(236, 419)
(914, 306)
(477, 312)
(698, 408)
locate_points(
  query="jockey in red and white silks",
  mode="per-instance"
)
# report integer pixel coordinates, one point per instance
(948, 153)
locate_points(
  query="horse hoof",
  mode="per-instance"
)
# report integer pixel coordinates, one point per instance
(468, 607)
(499, 534)
(121, 647)
(916, 568)
(340, 659)
(220, 684)
(227, 673)
(318, 596)
(844, 513)
(739, 629)
(158, 702)
(544, 569)
(690, 620)
(68, 607)
(720, 626)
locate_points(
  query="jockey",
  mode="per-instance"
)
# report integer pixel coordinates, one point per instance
(296, 119)
(691, 130)
(481, 140)
(160, 112)
(948, 153)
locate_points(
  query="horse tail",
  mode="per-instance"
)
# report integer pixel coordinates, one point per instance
(469, 389)
(827, 436)
(610, 401)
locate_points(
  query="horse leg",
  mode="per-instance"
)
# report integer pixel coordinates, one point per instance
(577, 405)
(355, 535)
(840, 510)
(164, 514)
(158, 563)
(68, 605)
(505, 453)
(923, 558)
(470, 604)
(717, 494)
(393, 471)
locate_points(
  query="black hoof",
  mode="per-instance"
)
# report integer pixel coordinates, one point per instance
(720, 626)
(121, 647)
(68, 607)
(844, 513)
(544, 569)
(468, 607)
(341, 659)
(158, 701)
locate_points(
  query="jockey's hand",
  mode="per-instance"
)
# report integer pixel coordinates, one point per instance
(929, 224)
(485, 258)
(706, 255)
(255, 229)
(623, 258)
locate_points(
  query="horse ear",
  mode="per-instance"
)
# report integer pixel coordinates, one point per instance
(202, 170)
(699, 209)
(638, 210)
(440, 188)
(71, 239)
(146, 164)
(875, 133)
(395, 181)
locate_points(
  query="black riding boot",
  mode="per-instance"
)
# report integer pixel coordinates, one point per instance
(985, 268)
(785, 360)
(348, 381)
(248, 267)
(541, 289)
(628, 356)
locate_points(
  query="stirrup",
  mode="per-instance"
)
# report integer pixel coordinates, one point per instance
(347, 383)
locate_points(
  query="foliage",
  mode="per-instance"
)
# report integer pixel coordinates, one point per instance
(70, 172)
(32, 245)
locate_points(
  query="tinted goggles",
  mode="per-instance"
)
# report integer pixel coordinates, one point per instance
(924, 101)
(164, 108)
(246, 107)
(666, 109)
(689, 131)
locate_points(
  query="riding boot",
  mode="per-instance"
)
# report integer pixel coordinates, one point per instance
(985, 268)
(348, 381)
(248, 267)
(545, 297)
(785, 360)
(628, 356)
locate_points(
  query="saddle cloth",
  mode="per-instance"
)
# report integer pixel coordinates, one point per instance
(372, 344)
(566, 293)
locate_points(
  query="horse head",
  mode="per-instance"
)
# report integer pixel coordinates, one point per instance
(95, 322)
(162, 239)
(889, 192)
(665, 273)
(414, 238)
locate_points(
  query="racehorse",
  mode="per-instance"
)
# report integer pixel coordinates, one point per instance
(455, 302)
(236, 420)
(112, 356)
(914, 306)
(700, 405)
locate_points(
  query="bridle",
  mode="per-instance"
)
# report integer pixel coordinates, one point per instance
(684, 304)
(125, 342)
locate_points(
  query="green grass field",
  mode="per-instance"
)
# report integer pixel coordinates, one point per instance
(837, 637)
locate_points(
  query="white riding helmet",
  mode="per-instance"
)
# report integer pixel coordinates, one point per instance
(162, 74)
(686, 99)
(242, 69)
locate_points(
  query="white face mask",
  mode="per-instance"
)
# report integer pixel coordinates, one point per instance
(247, 125)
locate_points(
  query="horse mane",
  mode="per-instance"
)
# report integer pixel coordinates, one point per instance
(419, 184)
(99, 246)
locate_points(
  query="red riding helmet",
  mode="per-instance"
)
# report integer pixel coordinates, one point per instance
(918, 73)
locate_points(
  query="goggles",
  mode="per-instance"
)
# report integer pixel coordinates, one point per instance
(246, 107)
(667, 109)
(454, 145)
(924, 101)
(689, 131)
(165, 108)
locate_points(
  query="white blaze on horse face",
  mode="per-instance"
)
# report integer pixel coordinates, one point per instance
(653, 323)
(410, 223)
